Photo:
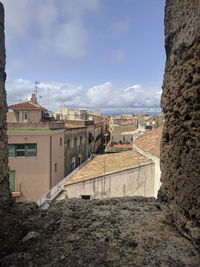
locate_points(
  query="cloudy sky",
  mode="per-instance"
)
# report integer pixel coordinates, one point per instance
(106, 54)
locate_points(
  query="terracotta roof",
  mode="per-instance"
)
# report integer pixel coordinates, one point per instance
(122, 145)
(127, 122)
(113, 162)
(26, 106)
(150, 141)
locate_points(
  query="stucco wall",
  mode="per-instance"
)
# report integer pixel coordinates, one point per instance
(137, 181)
(34, 116)
(11, 118)
(32, 173)
(157, 172)
(57, 157)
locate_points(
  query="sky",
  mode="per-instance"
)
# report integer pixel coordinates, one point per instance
(86, 54)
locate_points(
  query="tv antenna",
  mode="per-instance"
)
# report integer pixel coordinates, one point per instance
(36, 89)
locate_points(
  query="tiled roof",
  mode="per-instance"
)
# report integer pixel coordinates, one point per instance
(150, 141)
(122, 145)
(26, 106)
(111, 162)
(127, 122)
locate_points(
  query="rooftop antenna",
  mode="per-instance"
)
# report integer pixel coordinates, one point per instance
(36, 88)
(48, 96)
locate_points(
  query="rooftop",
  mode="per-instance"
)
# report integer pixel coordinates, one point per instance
(26, 106)
(150, 141)
(111, 162)
(40, 126)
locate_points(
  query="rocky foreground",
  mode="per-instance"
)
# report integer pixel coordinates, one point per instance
(130, 231)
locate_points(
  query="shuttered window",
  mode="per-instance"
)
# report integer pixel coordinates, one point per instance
(22, 150)
(11, 151)
(12, 180)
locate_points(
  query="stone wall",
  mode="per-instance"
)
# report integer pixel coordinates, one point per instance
(180, 148)
(5, 195)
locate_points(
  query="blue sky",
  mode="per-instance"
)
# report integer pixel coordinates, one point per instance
(106, 54)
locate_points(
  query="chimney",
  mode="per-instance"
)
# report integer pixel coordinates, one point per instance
(33, 99)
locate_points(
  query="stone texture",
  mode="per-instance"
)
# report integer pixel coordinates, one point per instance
(5, 194)
(130, 231)
(180, 147)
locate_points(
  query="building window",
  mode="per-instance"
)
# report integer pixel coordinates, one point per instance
(75, 141)
(11, 151)
(25, 115)
(79, 159)
(22, 150)
(31, 150)
(73, 163)
(81, 140)
(60, 141)
(55, 167)
(86, 197)
(12, 180)
(68, 143)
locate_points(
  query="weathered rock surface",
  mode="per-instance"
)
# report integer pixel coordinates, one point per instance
(131, 231)
(180, 148)
(5, 195)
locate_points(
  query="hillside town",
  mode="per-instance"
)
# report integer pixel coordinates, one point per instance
(74, 153)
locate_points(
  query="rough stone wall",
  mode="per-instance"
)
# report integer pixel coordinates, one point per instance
(5, 194)
(180, 148)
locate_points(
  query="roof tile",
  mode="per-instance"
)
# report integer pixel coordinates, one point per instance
(26, 105)
(107, 163)
(150, 141)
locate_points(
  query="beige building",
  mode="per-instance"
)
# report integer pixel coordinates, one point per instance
(148, 145)
(70, 114)
(75, 147)
(36, 152)
(112, 175)
(26, 112)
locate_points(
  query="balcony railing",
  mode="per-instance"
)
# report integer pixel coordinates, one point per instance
(36, 126)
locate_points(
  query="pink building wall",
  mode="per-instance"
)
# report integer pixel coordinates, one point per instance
(37, 174)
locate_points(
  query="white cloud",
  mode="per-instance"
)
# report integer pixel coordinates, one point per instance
(106, 96)
(117, 56)
(60, 24)
(136, 86)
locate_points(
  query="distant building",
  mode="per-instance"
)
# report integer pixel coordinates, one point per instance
(26, 112)
(70, 114)
(122, 134)
(36, 150)
(75, 147)
(151, 123)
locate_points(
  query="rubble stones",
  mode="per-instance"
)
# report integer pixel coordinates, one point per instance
(129, 231)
